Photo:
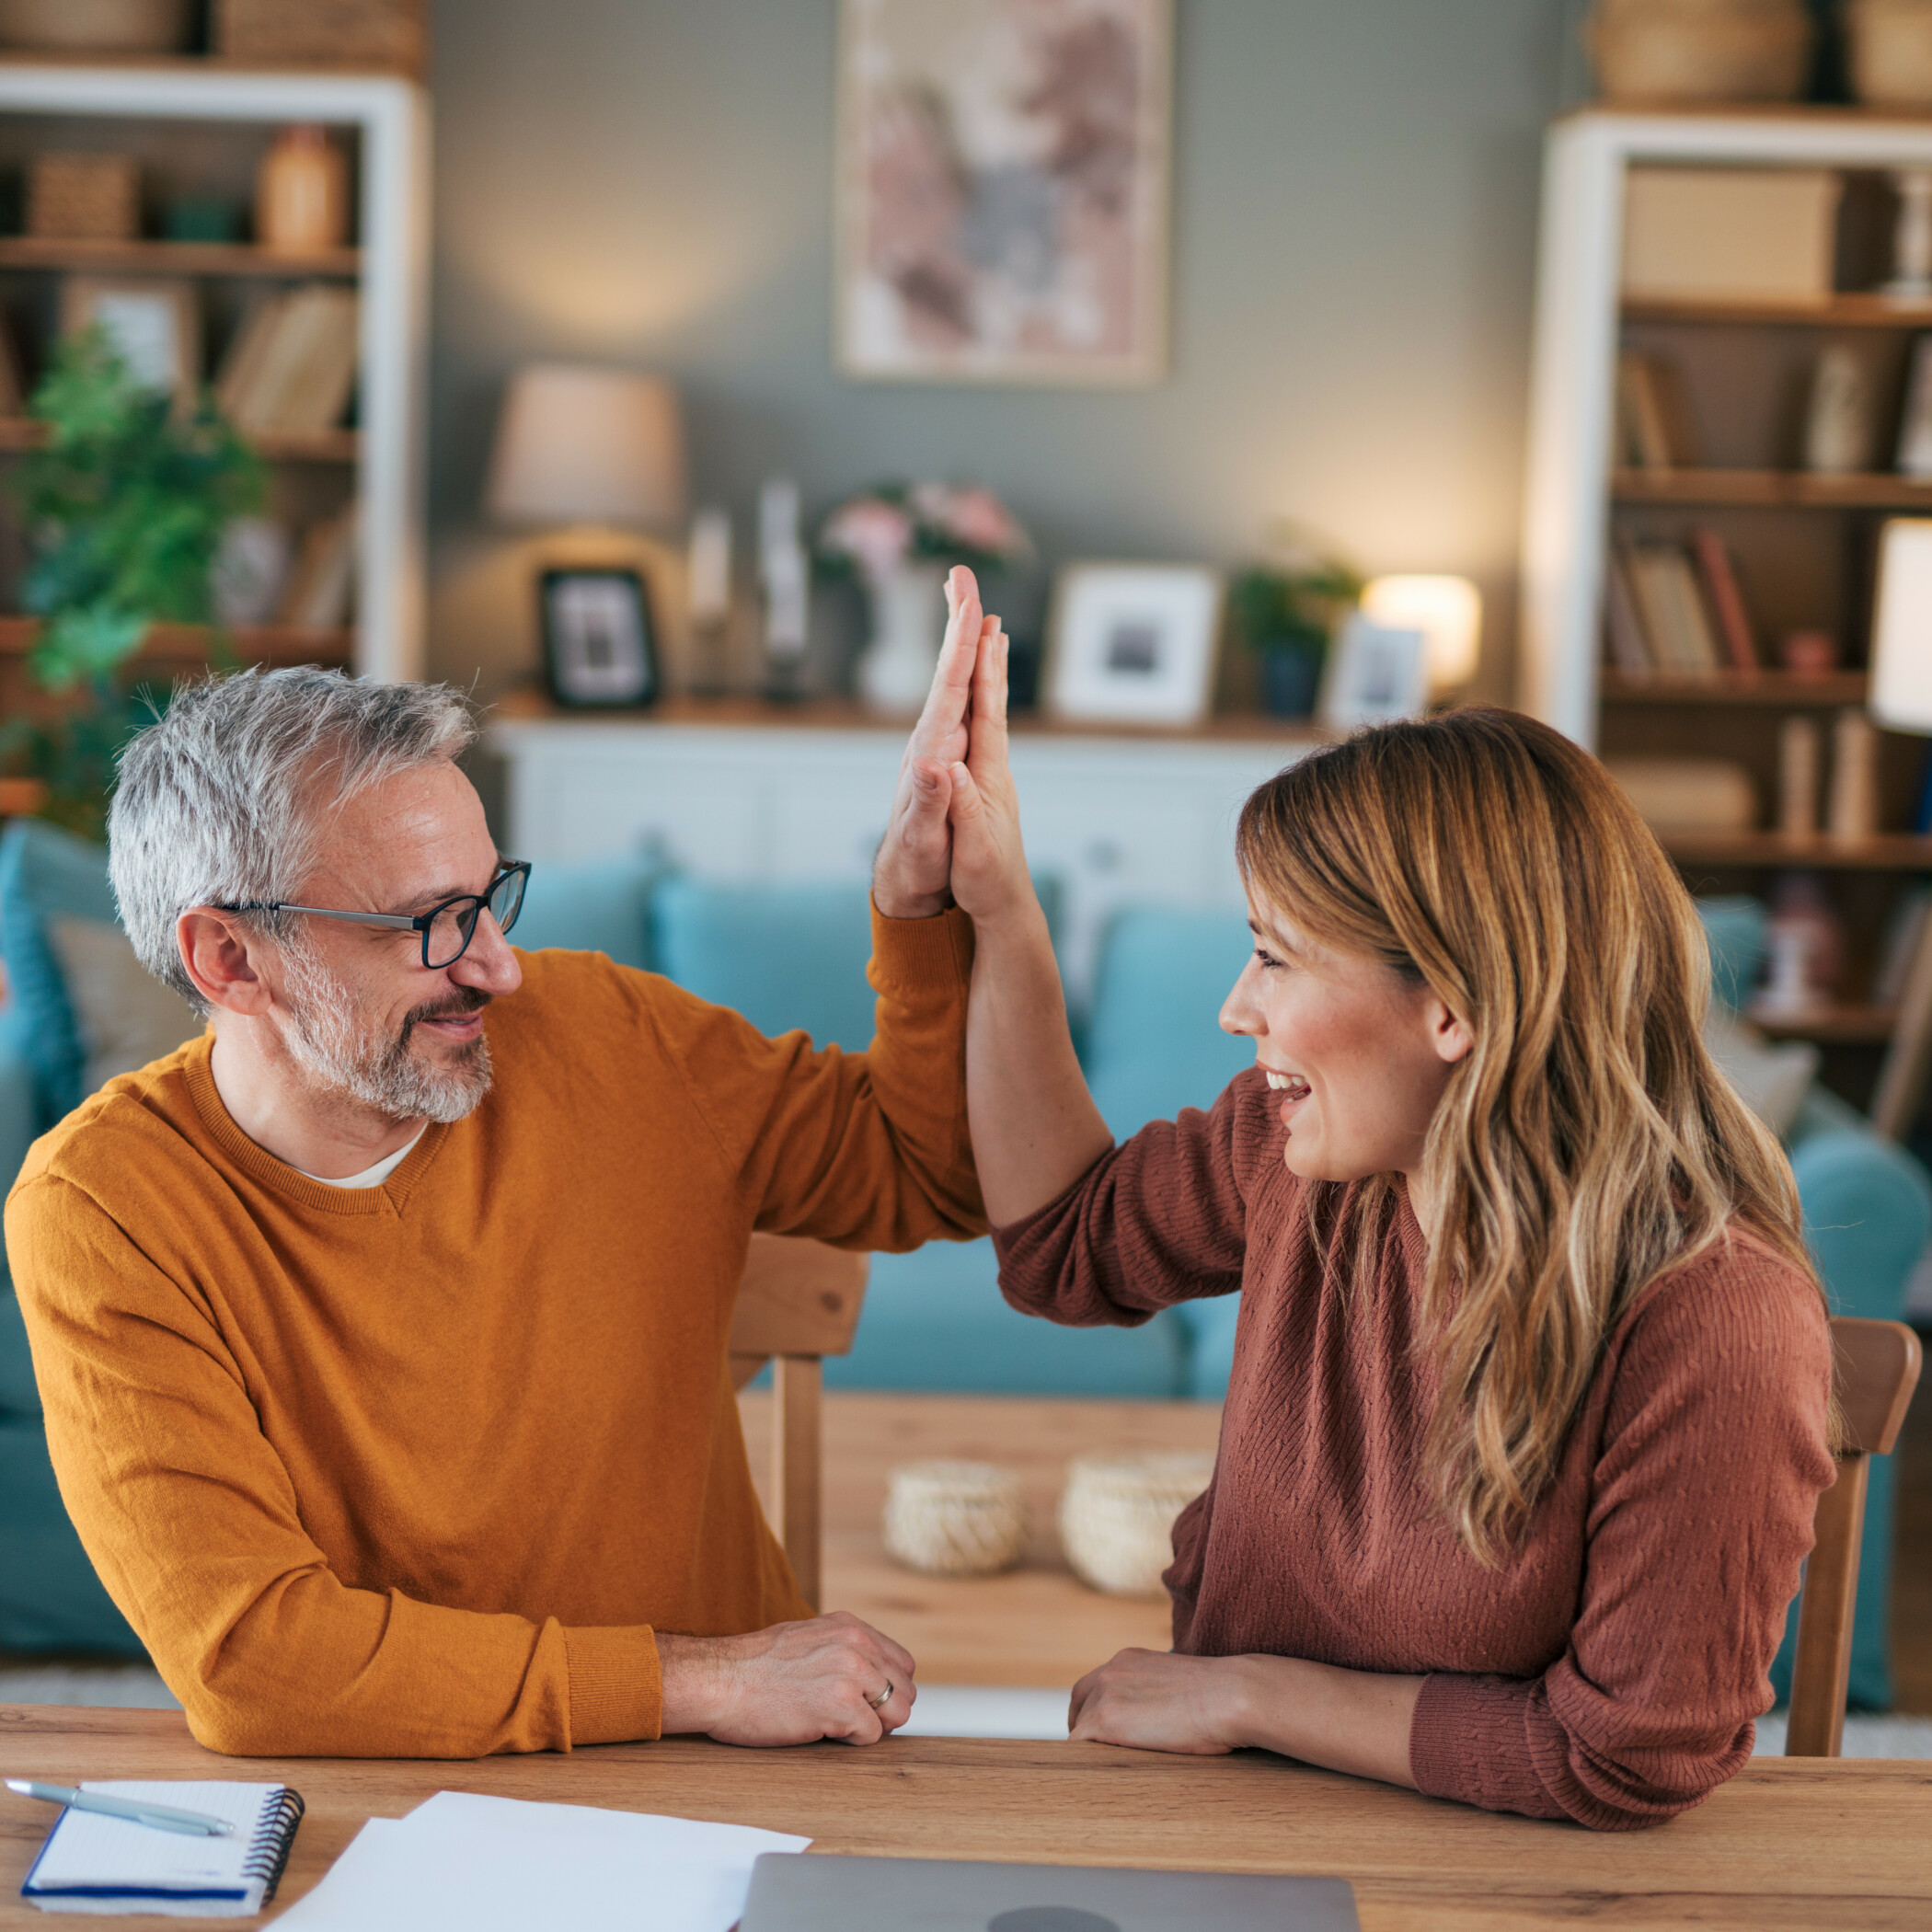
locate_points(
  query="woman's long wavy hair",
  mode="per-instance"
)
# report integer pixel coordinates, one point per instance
(1588, 1143)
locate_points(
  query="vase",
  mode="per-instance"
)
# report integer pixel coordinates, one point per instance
(1291, 675)
(302, 194)
(895, 671)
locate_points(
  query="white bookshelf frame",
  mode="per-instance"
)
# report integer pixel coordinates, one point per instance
(392, 117)
(1566, 514)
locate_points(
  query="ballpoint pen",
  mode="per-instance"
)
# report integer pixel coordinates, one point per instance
(164, 1818)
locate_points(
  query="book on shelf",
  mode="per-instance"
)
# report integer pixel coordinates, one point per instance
(1903, 933)
(1726, 598)
(322, 584)
(292, 366)
(1630, 651)
(1670, 610)
(1651, 423)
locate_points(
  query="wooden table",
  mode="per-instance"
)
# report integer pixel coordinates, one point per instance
(1038, 1625)
(1788, 1843)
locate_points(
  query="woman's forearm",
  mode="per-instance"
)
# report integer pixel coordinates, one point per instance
(1356, 1722)
(1035, 1127)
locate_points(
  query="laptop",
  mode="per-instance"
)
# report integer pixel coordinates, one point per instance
(792, 1893)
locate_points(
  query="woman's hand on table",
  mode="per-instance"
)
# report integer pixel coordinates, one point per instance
(792, 1683)
(911, 876)
(1155, 1700)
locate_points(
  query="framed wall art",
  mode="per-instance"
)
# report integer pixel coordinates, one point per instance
(155, 326)
(598, 647)
(1377, 674)
(1133, 643)
(1003, 190)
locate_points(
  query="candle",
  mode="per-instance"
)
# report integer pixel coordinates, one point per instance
(709, 566)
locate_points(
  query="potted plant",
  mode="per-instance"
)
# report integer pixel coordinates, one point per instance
(1286, 613)
(124, 505)
(902, 539)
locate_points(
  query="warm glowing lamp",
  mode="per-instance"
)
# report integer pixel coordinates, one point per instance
(579, 444)
(1901, 628)
(1446, 610)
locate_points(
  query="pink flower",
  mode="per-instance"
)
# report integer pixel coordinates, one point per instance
(875, 535)
(973, 517)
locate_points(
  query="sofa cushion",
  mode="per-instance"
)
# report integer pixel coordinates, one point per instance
(44, 872)
(600, 906)
(50, 1597)
(127, 1017)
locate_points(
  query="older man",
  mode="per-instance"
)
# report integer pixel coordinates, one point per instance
(381, 1330)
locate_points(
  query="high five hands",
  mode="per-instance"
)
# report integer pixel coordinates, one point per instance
(954, 832)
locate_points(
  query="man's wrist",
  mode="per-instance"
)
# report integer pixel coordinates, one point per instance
(894, 904)
(695, 1674)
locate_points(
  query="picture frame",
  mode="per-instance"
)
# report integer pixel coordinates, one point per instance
(1131, 643)
(600, 648)
(1003, 191)
(1376, 675)
(156, 325)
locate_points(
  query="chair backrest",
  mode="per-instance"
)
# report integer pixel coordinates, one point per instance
(1878, 1365)
(798, 1303)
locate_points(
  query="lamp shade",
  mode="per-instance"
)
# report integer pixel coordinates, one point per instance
(1446, 610)
(577, 444)
(1901, 628)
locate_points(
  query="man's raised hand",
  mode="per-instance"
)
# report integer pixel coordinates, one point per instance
(913, 874)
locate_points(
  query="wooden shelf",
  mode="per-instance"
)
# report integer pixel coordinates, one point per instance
(1831, 1026)
(21, 798)
(22, 433)
(1783, 688)
(188, 643)
(1769, 488)
(1843, 311)
(1772, 851)
(171, 258)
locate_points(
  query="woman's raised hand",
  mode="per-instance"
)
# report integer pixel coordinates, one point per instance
(913, 873)
(989, 861)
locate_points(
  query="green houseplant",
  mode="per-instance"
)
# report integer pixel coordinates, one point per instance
(1286, 613)
(124, 505)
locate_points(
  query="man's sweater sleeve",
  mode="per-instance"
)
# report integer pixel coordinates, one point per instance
(1712, 1458)
(191, 1520)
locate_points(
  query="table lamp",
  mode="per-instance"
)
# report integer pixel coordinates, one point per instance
(579, 445)
(1902, 627)
(1446, 610)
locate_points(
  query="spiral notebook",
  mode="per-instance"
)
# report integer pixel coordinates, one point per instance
(93, 1863)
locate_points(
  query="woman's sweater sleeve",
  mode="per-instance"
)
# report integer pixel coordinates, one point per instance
(1711, 1461)
(1159, 1220)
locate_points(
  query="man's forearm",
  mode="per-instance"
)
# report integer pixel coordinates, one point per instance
(1035, 1127)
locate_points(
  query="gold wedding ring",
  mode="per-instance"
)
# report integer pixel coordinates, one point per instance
(880, 1699)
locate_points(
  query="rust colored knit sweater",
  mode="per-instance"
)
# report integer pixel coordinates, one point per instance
(1611, 1673)
(418, 1470)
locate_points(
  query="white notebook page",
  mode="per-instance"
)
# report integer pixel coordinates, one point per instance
(91, 1849)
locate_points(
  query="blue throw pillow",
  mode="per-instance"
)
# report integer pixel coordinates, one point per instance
(44, 873)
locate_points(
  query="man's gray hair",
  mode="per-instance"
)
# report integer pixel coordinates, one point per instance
(225, 799)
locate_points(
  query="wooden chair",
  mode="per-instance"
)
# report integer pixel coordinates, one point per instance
(1877, 1369)
(798, 1303)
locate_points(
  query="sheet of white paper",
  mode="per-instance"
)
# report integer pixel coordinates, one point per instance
(501, 1864)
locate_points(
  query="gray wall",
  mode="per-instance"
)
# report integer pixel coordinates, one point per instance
(649, 182)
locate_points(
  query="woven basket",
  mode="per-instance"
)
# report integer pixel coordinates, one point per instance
(391, 36)
(1117, 1516)
(954, 1519)
(83, 197)
(97, 26)
(1699, 49)
(1891, 46)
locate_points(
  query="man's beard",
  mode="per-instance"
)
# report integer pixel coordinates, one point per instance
(341, 1055)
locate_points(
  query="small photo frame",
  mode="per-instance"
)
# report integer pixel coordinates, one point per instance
(598, 644)
(1376, 675)
(1133, 643)
(156, 326)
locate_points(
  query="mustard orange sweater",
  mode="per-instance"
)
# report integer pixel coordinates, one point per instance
(417, 1470)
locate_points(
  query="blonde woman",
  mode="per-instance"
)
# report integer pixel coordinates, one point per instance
(1531, 1396)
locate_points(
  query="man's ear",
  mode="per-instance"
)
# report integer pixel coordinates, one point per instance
(1449, 1036)
(222, 956)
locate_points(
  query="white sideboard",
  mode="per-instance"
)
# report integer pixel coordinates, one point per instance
(1118, 821)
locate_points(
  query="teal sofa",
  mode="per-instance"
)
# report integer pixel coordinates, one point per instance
(794, 956)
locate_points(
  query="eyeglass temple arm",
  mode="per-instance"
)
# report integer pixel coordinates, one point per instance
(395, 922)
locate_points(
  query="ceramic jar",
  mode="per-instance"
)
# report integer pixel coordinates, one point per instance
(302, 194)
(1699, 49)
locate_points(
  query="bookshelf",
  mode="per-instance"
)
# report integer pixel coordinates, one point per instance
(200, 127)
(1802, 544)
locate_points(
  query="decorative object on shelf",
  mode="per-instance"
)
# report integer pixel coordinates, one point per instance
(97, 26)
(598, 648)
(1131, 643)
(1914, 451)
(1890, 44)
(1853, 812)
(1730, 233)
(1809, 653)
(1806, 940)
(302, 194)
(83, 197)
(1902, 621)
(708, 593)
(1687, 794)
(902, 539)
(155, 327)
(1003, 190)
(1379, 673)
(1117, 1516)
(250, 571)
(1446, 610)
(1912, 240)
(1839, 423)
(128, 502)
(202, 218)
(954, 1519)
(784, 581)
(1684, 51)
(290, 367)
(1287, 612)
(1801, 757)
(382, 36)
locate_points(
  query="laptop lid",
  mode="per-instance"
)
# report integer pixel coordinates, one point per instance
(792, 1891)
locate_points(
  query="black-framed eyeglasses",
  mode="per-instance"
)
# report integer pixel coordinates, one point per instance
(446, 929)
